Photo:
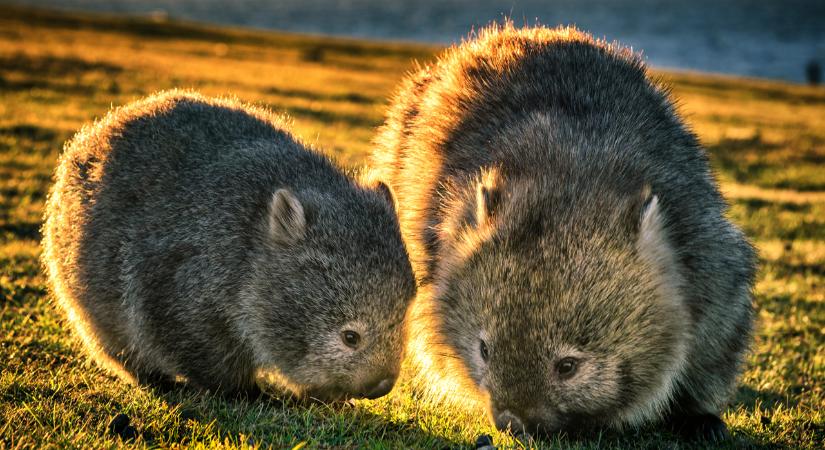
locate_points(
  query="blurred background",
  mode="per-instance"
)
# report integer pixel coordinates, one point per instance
(779, 39)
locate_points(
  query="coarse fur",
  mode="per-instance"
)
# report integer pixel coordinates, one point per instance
(561, 211)
(197, 238)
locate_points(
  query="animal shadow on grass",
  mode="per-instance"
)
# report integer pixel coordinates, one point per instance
(258, 418)
(648, 437)
(656, 436)
(752, 399)
(659, 436)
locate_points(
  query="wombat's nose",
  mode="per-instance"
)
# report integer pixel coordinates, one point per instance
(526, 423)
(507, 420)
(381, 389)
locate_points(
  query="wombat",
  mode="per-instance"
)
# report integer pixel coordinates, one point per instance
(197, 239)
(574, 238)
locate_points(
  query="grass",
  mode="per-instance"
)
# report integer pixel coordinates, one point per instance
(59, 70)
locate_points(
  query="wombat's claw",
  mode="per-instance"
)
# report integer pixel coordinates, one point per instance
(713, 430)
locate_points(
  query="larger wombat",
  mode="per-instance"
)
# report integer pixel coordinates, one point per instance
(193, 237)
(583, 271)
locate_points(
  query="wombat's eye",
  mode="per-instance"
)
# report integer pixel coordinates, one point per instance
(567, 367)
(351, 338)
(485, 353)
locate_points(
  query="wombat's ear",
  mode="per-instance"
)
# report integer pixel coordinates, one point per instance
(385, 191)
(286, 219)
(654, 247)
(648, 218)
(488, 198)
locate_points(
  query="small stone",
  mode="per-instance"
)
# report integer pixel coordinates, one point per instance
(485, 442)
(129, 433)
(118, 423)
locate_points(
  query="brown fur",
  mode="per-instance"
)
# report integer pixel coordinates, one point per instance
(197, 238)
(553, 199)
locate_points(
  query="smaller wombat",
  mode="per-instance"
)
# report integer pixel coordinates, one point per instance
(193, 237)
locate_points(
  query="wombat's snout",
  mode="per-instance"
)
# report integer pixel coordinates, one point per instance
(521, 424)
(380, 388)
(507, 420)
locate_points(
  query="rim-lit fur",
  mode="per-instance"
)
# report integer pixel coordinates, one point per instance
(556, 206)
(196, 238)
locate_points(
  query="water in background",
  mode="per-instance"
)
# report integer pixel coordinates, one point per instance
(761, 38)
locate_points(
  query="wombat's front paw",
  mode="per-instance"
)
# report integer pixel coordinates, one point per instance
(706, 427)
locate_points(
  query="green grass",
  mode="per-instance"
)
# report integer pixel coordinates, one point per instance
(58, 71)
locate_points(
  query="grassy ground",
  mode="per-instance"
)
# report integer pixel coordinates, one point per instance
(57, 71)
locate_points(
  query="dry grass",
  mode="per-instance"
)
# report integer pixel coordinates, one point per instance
(58, 71)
